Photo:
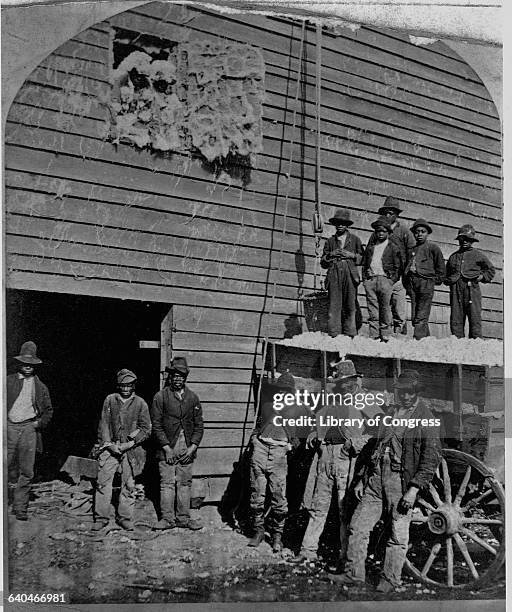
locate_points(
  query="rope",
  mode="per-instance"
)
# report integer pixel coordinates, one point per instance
(290, 162)
(318, 178)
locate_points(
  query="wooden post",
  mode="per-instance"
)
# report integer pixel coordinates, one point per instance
(457, 397)
(324, 369)
(273, 360)
(397, 370)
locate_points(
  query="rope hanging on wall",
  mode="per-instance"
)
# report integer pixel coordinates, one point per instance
(317, 222)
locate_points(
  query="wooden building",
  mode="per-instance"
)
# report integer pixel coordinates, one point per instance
(111, 249)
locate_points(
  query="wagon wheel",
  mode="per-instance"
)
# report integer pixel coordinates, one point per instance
(458, 529)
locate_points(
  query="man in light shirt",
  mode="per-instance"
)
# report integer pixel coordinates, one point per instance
(29, 410)
(381, 265)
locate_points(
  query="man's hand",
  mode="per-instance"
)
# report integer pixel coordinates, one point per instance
(408, 500)
(113, 449)
(347, 254)
(170, 455)
(312, 440)
(359, 490)
(188, 455)
(124, 446)
(479, 278)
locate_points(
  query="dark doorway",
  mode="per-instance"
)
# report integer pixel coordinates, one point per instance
(83, 341)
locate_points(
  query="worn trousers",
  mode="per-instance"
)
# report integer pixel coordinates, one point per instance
(466, 302)
(269, 466)
(398, 305)
(333, 470)
(108, 466)
(342, 301)
(421, 292)
(21, 455)
(383, 492)
(176, 485)
(378, 299)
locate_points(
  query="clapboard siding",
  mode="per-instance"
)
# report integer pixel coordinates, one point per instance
(90, 218)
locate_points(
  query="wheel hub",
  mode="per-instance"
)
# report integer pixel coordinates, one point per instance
(445, 520)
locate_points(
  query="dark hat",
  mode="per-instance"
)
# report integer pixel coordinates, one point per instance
(28, 353)
(390, 203)
(468, 232)
(285, 381)
(408, 379)
(125, 376)
(341, 217)
(421, 223)
(382, 222)
(345, 369)
(178, 364)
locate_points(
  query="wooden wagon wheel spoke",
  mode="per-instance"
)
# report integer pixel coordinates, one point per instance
(479, 540)
(433, 554)
(465, 553)
(449, 562)
(446, 481)
(475, 502)
(435, 495)
(481, 521)
(419, 518)
(425, 504)
(463, 486)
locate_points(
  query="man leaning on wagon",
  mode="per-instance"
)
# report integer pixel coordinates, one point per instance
(177, 419)
(400, 461)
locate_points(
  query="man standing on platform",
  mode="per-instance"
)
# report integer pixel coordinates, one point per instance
(402, 237)
(177, 419)
(29, 410)
(342, 253)
(466, 269)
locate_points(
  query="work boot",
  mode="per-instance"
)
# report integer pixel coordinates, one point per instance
(192, 524)
(125, 524)
(277, 544)
(344, 579)
(385, 586)
(257, 538)
(404, 329)
(164, 524)
(21, 516)
(99, 524)
(305, 556)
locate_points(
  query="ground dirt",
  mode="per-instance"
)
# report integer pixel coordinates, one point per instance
(55, 552)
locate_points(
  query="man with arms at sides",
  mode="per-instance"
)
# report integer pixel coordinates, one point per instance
(29, 410)
(177, 418)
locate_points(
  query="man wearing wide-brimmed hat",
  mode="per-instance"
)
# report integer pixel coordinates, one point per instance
(177, 419)
(29, 410)
(341, 255)
(396, 464)
(336, 447)
(425, 269)
(402, 237)
(466, 269)
(381, 266)
(124, 425)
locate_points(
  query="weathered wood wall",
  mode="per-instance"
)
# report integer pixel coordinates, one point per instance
(85, 216)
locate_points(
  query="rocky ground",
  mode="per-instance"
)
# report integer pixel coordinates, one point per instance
(57, 552)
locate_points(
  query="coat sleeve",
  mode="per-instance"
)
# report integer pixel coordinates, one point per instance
(487, 268)
(450, 271)
(197, 432)
(325, 261)
(46, 408)
(439, 266)
(157, 421)
(358, 250)
(104, 424)
(429, 459)
(143, 424)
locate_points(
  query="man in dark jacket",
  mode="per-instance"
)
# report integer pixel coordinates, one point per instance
(342, 253)
(123, 426)
(466, 268)
(401, 460)
(402, 237)
(425, 269)
(29, 410)
(177, 419)
(382, 263)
